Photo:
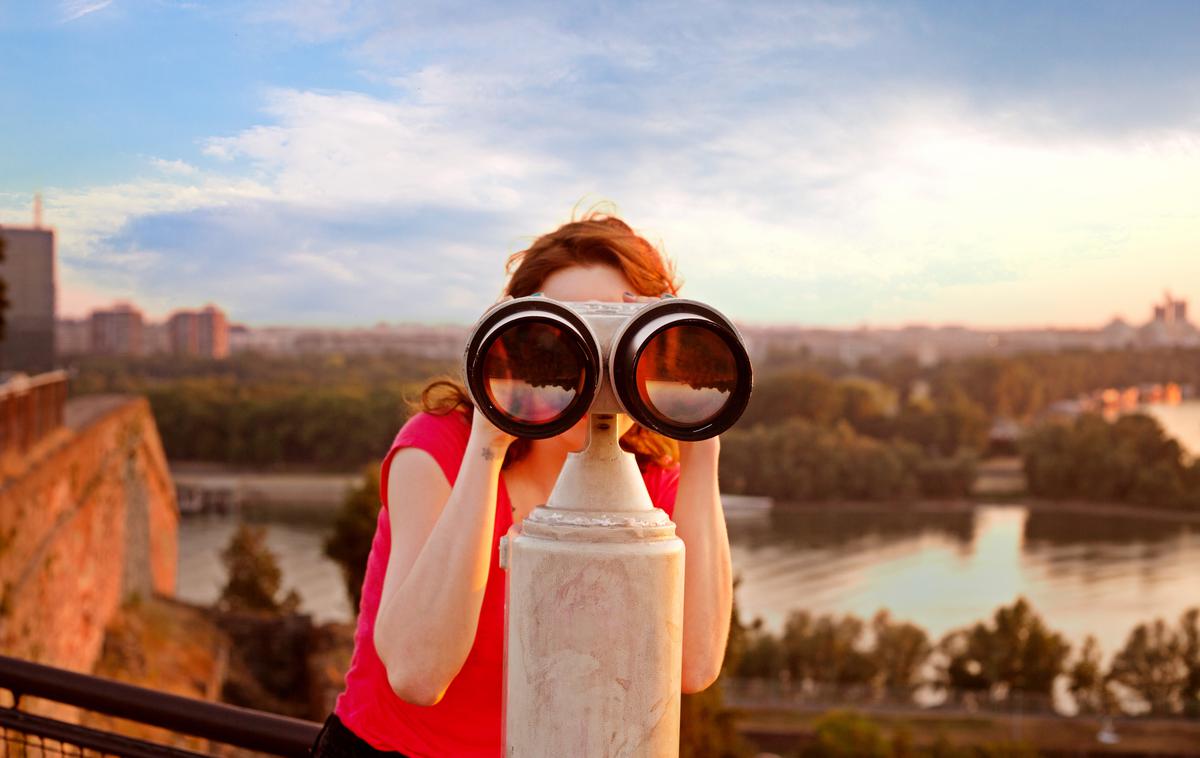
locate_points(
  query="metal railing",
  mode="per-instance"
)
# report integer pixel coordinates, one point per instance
(23, 733)
(31, 407)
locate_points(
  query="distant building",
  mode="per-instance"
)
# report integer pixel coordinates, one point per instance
(73, 336)
(156, 338)
(1170, 326)
(117, 331)
(28, 268)
(201, 333)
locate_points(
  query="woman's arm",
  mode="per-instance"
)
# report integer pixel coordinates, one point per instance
(708, 575)
(438, 565)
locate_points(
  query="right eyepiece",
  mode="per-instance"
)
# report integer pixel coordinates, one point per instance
(679, 367)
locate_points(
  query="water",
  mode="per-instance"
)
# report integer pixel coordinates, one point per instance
(1180, 421)
(944, 569)
(941, 568)
(297, 547)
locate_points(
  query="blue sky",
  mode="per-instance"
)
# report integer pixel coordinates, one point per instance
(820, 163)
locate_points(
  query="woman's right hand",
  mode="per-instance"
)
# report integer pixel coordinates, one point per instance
(486, 439)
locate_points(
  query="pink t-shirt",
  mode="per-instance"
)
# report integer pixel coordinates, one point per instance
(466, 722)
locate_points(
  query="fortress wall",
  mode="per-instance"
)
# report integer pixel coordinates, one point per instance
(89, 520)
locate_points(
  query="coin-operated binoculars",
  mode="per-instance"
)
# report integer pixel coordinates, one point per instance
(594, 613)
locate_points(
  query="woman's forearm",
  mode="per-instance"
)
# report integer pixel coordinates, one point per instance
(708, 573)
(427, 621)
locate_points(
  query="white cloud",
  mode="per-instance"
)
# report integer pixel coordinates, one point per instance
(787, 196)
(173, 168)
(75, 9)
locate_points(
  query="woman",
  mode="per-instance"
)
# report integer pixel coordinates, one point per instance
(425, 678)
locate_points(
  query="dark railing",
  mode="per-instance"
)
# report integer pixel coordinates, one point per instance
(216, 722)
(31, 407)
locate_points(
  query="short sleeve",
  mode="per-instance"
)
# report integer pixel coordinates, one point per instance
(442, 436)
(662, 483)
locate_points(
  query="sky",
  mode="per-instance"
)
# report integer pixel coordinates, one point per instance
(826, 164)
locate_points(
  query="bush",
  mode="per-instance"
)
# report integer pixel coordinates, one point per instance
(254, 576)
(349, 544)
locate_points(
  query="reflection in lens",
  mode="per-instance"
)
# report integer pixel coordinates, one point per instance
(686, 374)
(533, 371)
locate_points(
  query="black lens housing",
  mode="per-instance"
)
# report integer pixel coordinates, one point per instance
(632, 341)
(494, 325)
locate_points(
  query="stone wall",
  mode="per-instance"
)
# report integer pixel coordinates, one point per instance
(90, 520)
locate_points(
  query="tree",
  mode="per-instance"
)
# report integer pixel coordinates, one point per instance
(349, 544)
(254, 576)
(899, 652)
(1015, 653)
(1087, 682)
(1152, 665)
(826, 650)
(845, 734)
(1189, 630)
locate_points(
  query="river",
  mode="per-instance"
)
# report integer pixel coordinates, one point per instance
(1181, 421)
(939, 567)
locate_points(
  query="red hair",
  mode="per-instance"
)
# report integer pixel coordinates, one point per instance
(596, 239)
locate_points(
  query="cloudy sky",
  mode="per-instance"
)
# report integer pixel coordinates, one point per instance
(822, 163)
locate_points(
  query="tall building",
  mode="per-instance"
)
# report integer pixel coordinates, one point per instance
(202, 333)
(73, 336)
(28, 269)
(117, 331)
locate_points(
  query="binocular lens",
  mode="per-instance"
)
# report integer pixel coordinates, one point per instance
(533, 371)
(685, 375)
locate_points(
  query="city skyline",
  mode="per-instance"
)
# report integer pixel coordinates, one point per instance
(812, 164)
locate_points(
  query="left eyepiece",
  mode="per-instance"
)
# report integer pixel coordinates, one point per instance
(532, 367)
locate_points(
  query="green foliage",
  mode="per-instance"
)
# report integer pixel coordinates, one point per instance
(1015, 653)
(254, 576)
(798, 460)
(826, 649)
(1130, 460)
(1021, 386)
(1087, 681)
(326, 411)
(844, 734)
(1162, 665)
(830, 650)
(898, 654)
(349, 543)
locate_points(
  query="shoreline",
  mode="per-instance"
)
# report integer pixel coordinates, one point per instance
(313, 487)
(962, 505)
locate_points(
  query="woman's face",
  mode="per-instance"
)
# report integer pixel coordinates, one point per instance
(579, 283)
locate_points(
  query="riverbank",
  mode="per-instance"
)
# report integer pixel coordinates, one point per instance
(966, 505)
(302, 495)
(787, 731)
(314, 495)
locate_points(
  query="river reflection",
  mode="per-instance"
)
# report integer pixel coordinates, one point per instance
(1087, 574)
(941, 568)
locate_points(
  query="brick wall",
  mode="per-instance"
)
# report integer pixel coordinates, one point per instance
(90, 520)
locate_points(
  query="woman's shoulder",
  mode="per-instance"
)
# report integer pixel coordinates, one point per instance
(443, 436)
(422, 424)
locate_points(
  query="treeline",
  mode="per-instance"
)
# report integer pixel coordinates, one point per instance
(1130, 460)
(1013, 654)
(798, 460)
(331, 412)
(807, 436)
(1016, 386)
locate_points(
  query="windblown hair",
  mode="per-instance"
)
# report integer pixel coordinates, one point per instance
(595, 239)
